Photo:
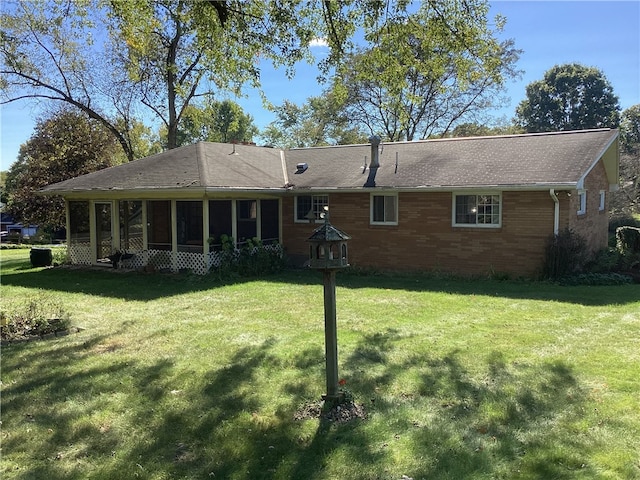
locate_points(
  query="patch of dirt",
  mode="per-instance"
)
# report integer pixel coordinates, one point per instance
(342, 413)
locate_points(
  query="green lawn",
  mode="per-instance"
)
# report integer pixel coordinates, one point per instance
(185, 377)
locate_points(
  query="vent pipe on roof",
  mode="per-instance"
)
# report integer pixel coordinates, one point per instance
(375, 153)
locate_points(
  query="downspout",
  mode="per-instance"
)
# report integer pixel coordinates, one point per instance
(556, 212)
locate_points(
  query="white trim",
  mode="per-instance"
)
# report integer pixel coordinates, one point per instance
(384, 195)
(295, 206)
(582, 200)
(602, 201)
(556, 212)
(454, 195)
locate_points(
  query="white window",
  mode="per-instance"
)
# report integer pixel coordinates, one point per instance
(481, 210)
(310, 207)
(582, 202)
(384, 209)
(602, 200)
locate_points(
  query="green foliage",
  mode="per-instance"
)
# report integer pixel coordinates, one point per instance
(252, 259)
(630, 130)
(595, 279)
(628, 240)
(320, 121)
(63, 146)
(190, 377)
(569, 97)
(32, 317)
(58, 51)
(565, 254)
(424, 72)
(214, 122)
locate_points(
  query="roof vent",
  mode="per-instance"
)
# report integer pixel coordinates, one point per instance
(301, 168)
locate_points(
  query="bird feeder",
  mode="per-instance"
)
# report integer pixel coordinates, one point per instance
(328, 250)
(328, 253)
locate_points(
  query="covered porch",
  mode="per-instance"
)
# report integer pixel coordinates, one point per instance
(178, 234)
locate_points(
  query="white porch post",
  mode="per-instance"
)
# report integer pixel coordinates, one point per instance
(93, 241)
(234, 221)
(258, 219)
(145, 226)
(67, 223)
(174, 236)
(205, 226)
(205, 234)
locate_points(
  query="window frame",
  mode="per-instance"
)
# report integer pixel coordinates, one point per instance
(385, 196)
(319, 210)
(582, 202)
(454, 216)
(602, 201)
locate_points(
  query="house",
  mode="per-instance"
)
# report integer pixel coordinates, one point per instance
(461, 205)
(15, 231)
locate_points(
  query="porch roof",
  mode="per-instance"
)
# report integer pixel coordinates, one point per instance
(547, 160)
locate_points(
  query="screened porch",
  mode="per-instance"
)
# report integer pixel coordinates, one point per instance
(167, 235)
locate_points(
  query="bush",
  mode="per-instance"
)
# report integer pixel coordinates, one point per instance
(36, 317)
(601, 279)
(628, 240)
(252, 259)
(565, 254)
(623, 220)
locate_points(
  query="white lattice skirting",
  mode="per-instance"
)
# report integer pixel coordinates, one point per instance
(162, 260)
(80, 253)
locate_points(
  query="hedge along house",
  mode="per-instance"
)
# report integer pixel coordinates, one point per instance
(462, 205)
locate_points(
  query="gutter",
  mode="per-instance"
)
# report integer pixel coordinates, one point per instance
(556, 212)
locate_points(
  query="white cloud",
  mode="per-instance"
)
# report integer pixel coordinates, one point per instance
(318, 42)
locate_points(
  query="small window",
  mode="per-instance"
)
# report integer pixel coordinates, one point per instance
(476, 210)
(310, 207)
(582, 202)
(384, 209)
(603, 197)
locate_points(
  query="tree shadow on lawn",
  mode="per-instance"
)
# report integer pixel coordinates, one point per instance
(456, 423)
(495, 420)
(137, 286)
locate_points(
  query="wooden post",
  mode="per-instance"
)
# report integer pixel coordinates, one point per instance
(331, 335)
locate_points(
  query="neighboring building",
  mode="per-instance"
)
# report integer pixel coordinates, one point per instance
(461, 205)
(15, 231)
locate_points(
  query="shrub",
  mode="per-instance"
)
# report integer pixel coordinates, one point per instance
(628, 240)
(623, 220)
(35, 317)
(252, 259)
(601, 279)
(565, 254)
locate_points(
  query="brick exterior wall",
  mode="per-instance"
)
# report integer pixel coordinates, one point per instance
(594, 223)
(424, 238)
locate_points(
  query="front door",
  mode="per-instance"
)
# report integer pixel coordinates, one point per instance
(104, 235)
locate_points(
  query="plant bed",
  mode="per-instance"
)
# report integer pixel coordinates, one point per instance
(37, 318)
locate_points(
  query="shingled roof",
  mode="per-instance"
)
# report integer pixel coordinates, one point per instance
(549, 160)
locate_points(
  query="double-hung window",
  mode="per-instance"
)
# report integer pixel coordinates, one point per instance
(483, 210)
(384, 209)
(309, 208)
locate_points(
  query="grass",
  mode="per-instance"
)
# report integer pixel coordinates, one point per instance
(183, 377)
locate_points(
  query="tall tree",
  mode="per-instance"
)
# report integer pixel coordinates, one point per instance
(569, 97)
(627, 198)
(58, 51)
(320, 121)
(215, 121)
(63, 146)
(630, 130)
(425, 72)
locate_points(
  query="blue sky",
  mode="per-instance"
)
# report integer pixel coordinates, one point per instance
(602, 34)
